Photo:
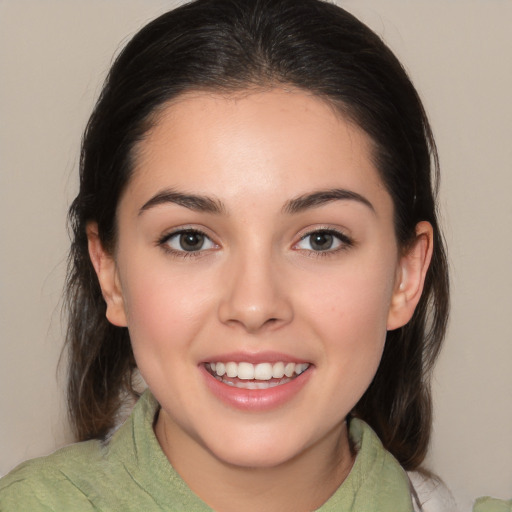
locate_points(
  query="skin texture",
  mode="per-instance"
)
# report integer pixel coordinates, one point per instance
(258, 286)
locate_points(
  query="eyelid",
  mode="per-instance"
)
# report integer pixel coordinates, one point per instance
(175, 232)
(345, 241)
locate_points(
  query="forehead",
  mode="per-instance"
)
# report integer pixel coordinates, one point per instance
(276, 142)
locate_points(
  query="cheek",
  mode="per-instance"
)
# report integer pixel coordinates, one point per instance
(349, 312)
(353, 298)
(164, 318)
(164, 309)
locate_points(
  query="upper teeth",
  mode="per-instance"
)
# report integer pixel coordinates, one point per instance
(260, 371)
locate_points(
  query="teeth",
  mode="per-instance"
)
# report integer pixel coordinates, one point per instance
(300, 368)
(231, 369)
(289, 369)
(259, 372)
(263, 371)
(218, 368)
(278, 371)
(245, 371)
(254, 384)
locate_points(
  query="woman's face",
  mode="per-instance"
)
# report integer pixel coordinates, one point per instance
(257, 270)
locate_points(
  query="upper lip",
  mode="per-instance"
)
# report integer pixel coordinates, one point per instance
(255, 357)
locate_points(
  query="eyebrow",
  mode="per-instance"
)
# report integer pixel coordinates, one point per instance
(191, 201)
(322, 197)
(207, 204)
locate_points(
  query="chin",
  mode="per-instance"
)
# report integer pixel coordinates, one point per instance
(267, 450)
(255, 458)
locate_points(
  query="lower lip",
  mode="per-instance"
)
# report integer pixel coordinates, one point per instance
(256, 399)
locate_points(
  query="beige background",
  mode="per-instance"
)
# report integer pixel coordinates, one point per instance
(53, 55)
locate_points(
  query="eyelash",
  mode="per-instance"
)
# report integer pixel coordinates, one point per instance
(344, 241)
(164, 243)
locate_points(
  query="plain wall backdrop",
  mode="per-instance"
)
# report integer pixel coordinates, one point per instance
(53, 57)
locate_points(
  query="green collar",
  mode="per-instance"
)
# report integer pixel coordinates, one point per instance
(376, 482)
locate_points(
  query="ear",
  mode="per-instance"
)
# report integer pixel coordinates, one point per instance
(410, 277)
(106, 269)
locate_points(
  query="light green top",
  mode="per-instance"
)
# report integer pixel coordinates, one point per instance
(492, 505)
(131, 473)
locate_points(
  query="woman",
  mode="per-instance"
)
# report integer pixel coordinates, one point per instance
(256, 233)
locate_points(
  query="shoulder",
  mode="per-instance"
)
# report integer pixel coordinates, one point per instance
(49, 483)
(77, 477)
(127, 472)
(492, 505)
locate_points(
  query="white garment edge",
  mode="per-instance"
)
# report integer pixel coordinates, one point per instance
(433, 495)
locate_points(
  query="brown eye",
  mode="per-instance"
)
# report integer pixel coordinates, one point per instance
(188, 240)
(324, 240)
(321, 241)
(191, 241)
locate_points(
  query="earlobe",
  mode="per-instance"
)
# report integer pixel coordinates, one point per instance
(106, 269)
(410, 279)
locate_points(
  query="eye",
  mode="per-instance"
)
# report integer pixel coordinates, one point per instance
(324, 240)
(188, 240)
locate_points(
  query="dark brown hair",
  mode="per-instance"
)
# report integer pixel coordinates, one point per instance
(231, 45)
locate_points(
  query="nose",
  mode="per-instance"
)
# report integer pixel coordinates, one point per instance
(256, 296)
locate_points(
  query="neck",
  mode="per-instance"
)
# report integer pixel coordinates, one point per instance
(302, 483)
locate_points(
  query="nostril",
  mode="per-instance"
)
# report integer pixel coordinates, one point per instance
(270, 322)
(254, 304)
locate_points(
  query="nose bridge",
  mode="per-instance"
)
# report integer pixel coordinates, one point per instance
(254, 296)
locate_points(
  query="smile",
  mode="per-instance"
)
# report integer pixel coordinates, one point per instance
(246, 375)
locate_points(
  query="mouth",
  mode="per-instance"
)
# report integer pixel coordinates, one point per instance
(265, 375)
